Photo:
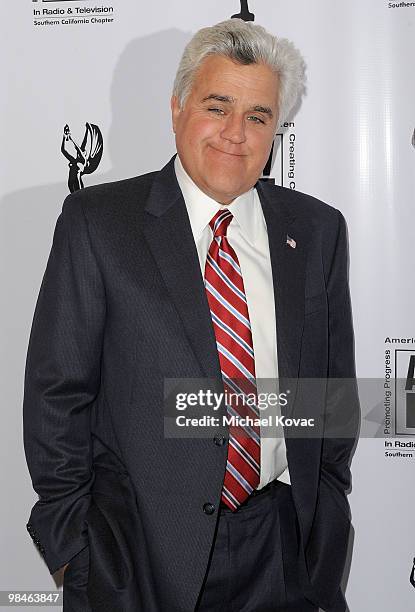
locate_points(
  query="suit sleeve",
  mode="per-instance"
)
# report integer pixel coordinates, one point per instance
(342, 409)
(327, 547)
(62, 379)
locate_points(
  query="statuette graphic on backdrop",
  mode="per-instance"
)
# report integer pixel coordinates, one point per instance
(244, 13)
(84, 158)
(412, 576)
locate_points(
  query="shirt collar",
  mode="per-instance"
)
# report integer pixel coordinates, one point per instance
(246, 208)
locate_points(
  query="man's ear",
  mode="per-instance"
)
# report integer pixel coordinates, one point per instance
(175, 111)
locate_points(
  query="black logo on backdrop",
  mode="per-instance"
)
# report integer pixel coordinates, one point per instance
(244, 14)
(410, 395)
(413, 139)
(412, 576)
(82, 159)
(267, 169)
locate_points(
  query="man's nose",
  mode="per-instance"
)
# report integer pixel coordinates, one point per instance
(234, 129)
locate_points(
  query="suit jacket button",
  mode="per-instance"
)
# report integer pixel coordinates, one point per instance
(208, 508)
(219, 440)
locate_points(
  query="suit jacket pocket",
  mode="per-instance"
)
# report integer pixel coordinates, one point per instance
(114, 541)
(315, 303)
(78, 566)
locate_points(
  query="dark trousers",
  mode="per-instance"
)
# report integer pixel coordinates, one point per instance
(253, 567)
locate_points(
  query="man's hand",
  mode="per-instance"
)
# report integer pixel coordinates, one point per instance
(64, 568)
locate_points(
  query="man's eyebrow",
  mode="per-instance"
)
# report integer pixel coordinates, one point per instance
(258, 108)
(263, 109)
(219, 98)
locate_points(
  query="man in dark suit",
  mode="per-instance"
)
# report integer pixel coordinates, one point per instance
(198, 271)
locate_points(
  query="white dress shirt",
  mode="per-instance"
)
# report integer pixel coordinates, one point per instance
(247, 234)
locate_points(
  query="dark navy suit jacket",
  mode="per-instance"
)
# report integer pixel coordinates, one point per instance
(122, 306)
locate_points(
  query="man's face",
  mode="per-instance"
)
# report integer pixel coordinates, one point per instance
(225, 131)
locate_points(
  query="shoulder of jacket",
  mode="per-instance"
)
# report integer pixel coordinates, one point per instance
(115, 193)
(307, 206)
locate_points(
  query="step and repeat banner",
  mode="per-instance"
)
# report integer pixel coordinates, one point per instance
(88, 86)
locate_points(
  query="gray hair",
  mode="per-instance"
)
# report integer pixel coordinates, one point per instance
(244, 43)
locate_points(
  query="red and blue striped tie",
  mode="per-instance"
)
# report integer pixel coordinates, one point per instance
(229, 310)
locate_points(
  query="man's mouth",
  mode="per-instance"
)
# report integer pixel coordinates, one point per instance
(228, 153)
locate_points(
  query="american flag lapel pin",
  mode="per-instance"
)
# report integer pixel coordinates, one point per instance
(291, 242)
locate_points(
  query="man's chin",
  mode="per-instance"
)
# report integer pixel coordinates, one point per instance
(225, 194)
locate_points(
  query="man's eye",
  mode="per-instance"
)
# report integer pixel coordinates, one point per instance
(256, 119)
(216, 110)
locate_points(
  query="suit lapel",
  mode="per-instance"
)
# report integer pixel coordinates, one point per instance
(288, 271)
(169, 235)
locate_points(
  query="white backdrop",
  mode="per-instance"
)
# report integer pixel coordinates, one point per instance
(351, 143)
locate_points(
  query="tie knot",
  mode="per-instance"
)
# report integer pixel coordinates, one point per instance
(220, 222)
